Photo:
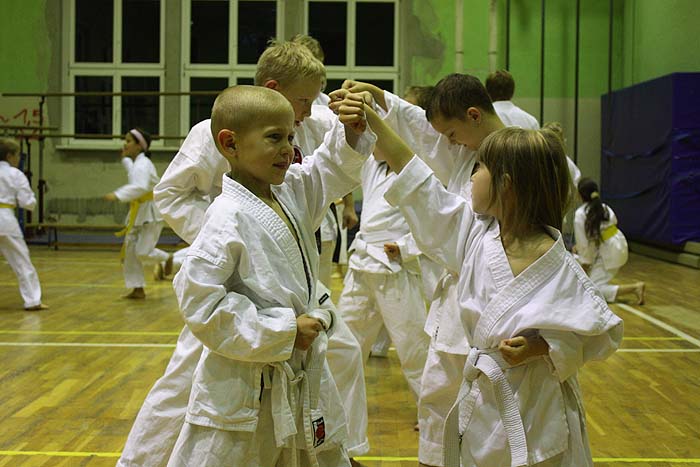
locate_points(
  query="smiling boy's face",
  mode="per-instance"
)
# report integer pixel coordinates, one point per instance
(263, 153)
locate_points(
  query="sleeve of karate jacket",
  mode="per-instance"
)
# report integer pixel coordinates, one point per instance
(182, 195)
(227, 322)
(411, 124)
(425, 203)
(25, 196)
(331, 172)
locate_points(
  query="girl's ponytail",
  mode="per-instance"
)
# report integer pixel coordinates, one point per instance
(595, 212)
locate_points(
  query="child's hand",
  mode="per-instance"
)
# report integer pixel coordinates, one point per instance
(350, 219)
(361, 88)
(519, 348)
(307, 330)
(392, 251)
(110, 197)
(350, 110)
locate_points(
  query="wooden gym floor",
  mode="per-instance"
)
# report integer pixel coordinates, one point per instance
(73, 378)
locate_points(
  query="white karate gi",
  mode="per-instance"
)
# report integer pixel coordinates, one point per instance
(605, 259)
(140, 242)
(240, 290)
(531, 413)
(512, 115)
(185, 191)
(442, 373)
(15, 191)
(381, 291)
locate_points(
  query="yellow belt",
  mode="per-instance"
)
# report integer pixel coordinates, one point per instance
(8, 206)
(133, 211)
(608, 233)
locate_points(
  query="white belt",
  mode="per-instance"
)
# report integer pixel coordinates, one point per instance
(285, 408)
(490, 364)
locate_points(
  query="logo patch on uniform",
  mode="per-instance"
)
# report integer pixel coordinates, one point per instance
(323, 298)
(319, 431)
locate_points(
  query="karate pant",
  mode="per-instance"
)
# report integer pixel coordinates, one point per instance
(162, 414)
(601, 278)
(210, 447)
(326, 262)
(382, 344)
(395, 300)
(442, 378)
(15, 251)
(139, 250)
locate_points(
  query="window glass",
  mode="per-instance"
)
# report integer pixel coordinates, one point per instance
(328, 24)
(200, 106)
(209, 31)
(141, 31)
(93, 30)
(384, 84)
(256, 26)
(374, 32)
(241, 80)
(93, 114)
(140, 111)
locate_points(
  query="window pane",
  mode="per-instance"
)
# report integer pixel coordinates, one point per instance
(200, 106)
(209, 31)
(256, 26)
(241, 80)
(140, 111)
(93, 114)
(333, 84)
(328, 24)
(141, 31)
(93, 30)
(375, 34)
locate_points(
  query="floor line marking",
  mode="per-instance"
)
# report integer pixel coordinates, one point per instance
(659, 350)
(83, 344)
(654, 339)
(47, 284)
(100, 333)
(626, 460)
(661, 324)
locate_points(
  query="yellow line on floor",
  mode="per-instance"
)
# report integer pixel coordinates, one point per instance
(653, 339)
(88, 333)
(623, 460)
(46, 285)
(84, 344)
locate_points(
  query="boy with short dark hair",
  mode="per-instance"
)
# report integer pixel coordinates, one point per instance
(247, 292)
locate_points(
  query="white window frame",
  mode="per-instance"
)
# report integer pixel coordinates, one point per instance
(116, 69)
(351, 70)
(232, 69)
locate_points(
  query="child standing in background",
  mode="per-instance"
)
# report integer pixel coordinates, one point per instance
(15, 191)
(143, 223)
(601, 247)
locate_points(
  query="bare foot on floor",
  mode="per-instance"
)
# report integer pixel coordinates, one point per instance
(38, 307)
(136, 294)
(158, 273)
(168, 268)
(639, 292)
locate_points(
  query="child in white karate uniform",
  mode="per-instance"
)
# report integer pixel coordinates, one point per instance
(601, 247)
(188, 186)
(262, 392)
(501, 87)
(143, 222)
(531, 316)
(15, 191)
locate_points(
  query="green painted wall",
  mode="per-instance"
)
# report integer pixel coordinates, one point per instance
(660, 37)
(25, 51)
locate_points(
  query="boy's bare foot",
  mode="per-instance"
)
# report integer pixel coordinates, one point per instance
(639, 291)
(136, 294)
(354, 463)
(158, 273)
(38, 307)
(168, 268)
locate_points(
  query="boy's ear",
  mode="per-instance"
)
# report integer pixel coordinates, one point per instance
(474, 115)
(227, 142)
(272, 84)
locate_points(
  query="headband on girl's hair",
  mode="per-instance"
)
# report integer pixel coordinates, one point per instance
(595, 195)
(139, 137)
